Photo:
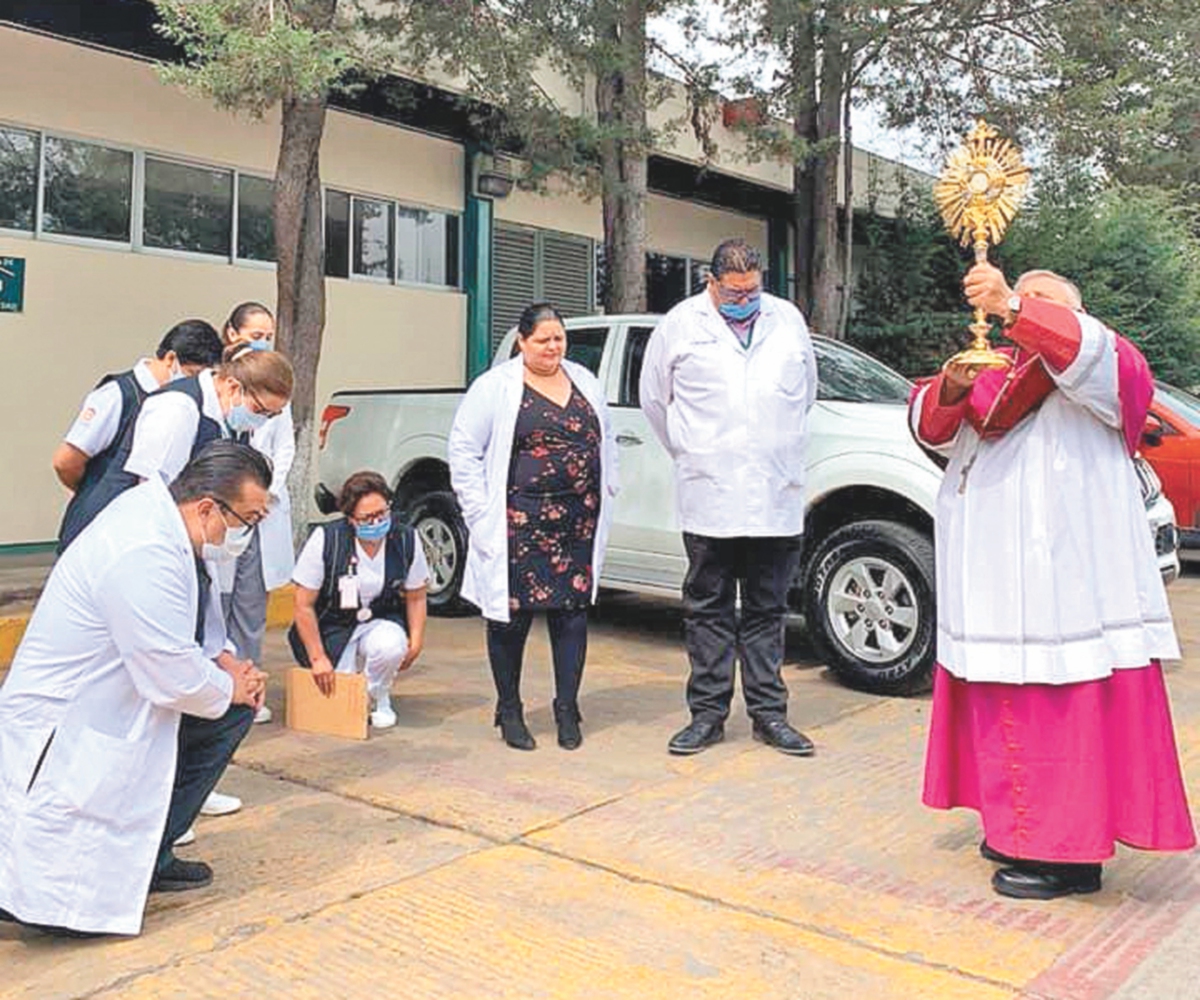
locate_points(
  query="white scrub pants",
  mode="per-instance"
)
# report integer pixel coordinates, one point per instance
(376, 648)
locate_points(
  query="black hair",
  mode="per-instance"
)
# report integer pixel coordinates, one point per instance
(243, 312)
(537, 313)
(735, 256)
(359, 485)
(194, 342)
(220, 471)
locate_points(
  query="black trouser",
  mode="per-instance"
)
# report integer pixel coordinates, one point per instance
(568, 645)
(206, 746)
(763, 568)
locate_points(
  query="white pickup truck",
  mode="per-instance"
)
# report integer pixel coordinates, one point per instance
(865, 587)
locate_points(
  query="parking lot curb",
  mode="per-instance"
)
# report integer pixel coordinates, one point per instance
(12, 627)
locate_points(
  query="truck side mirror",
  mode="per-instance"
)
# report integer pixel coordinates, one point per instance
(1152, 433)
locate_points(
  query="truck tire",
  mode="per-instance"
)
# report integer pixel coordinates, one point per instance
(870, 606)
(439, 527)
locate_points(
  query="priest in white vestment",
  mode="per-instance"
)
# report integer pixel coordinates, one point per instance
(1050, 715)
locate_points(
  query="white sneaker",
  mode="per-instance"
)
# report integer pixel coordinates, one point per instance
(263, 714)
(220, 805)
(189, 837)
(383, 717)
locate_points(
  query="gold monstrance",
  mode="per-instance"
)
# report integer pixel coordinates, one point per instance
(978, 194)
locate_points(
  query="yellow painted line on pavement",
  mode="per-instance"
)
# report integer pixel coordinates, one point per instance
(515, 923)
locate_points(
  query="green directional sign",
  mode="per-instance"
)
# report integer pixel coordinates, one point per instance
(12, 284)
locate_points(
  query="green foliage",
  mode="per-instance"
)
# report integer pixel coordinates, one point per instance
(1120, 88)
(1134, 255)
(249, 55)
(908, 307)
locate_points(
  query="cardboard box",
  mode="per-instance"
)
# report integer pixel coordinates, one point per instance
(343, 713)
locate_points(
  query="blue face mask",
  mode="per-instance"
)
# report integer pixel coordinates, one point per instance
(262, 344)
(373, 532)
(741, 311)
(241, 420)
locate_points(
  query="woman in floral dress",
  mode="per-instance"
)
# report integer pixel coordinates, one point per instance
(533, 464)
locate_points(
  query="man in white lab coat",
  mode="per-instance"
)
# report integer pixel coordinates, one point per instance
(727, 382)
(90, 712)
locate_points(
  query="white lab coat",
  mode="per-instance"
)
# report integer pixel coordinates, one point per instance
(277, 440)
(733, 419)
(106, 667)
(480, 447)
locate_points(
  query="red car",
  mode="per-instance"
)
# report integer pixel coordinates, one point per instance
(1171, 444)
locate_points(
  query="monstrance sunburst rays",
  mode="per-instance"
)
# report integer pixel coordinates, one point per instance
(978, 194)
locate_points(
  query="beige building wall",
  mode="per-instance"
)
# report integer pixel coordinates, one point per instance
(560, 207)
(683, 228)
(95, 309)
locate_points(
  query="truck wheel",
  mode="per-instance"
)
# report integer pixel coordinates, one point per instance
(439, 527)
(870, 606)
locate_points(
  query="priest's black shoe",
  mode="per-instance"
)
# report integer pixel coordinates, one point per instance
(1046, 881)
(698, 735)
(180, 875)
(516, 734)
(777, 733)
(567, 717)
(991, 854)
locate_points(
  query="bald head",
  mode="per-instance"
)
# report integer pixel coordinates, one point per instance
(1050, 287)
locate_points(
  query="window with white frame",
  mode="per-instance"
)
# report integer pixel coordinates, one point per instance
(187, 208)
(373, 238)
(87, 190)
(671, 279)
(90, 190)
(255, 218)
(18, 178)
(381, 239)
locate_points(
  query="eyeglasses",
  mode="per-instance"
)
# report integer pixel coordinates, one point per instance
(257, 516)
(258, 403)
(377, 517)
(732, 295)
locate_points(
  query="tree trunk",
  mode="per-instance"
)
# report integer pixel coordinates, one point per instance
(300, 279)
(826, 263)
(621, 110)
(804, 123)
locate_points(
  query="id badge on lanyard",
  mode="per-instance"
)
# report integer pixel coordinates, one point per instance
(349, 597)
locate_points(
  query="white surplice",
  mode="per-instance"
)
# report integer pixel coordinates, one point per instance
(1046, 570)
(89, 717)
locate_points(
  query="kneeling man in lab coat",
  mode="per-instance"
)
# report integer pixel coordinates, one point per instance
(90, 713)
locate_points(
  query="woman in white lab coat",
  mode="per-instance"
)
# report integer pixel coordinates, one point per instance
(533, 463)
(267, 562)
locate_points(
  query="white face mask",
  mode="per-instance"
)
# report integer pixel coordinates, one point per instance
(236, 542)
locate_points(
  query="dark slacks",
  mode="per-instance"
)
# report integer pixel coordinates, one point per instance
(763, 570)
(568, 646)
(206, 746)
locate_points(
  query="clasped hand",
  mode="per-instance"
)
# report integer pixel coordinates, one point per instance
(249, 683)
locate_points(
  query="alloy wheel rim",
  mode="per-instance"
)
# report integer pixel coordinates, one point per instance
(872, 608)
(440, 552)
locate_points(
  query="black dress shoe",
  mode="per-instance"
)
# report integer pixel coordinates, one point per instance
(567, 717)
(991, 854)
(1042, 880)
(698, 735)
(514, 731)
(775, 732)
(180, 876)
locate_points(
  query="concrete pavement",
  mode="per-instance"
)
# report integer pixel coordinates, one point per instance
(432, 861)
